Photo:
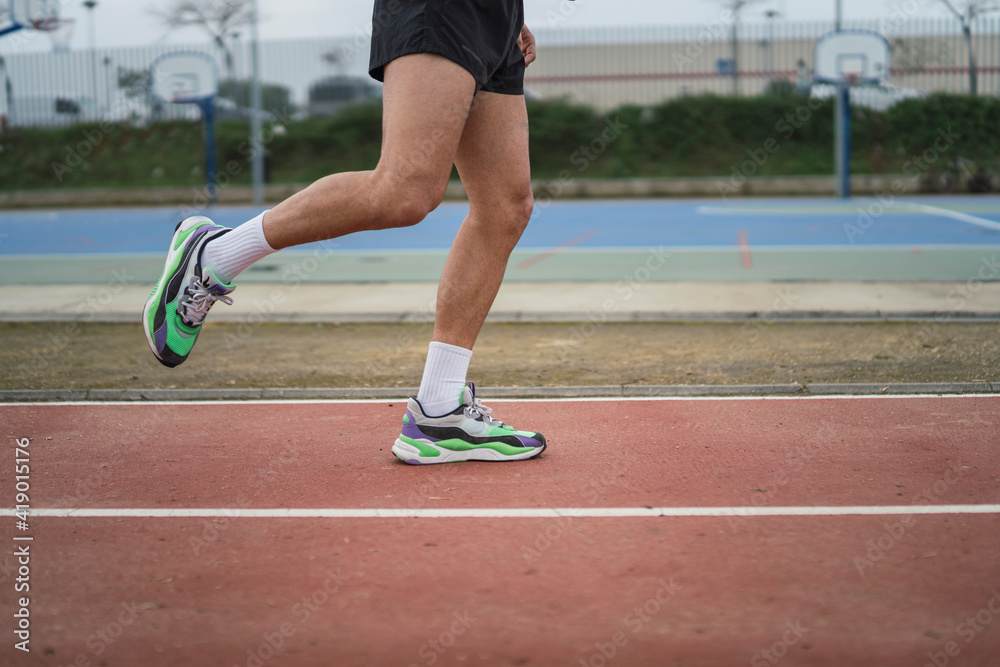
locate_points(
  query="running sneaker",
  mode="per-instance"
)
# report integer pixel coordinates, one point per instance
(177, 306)
(467, 434)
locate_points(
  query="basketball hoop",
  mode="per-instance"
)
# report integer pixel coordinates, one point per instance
(59, 30)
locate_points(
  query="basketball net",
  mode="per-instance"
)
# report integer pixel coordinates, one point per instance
(60, 31)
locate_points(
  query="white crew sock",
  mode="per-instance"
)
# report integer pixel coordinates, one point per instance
(232, 253)
(444, 376)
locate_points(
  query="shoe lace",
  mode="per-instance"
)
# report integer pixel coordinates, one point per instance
(476, 409)
(199, 301)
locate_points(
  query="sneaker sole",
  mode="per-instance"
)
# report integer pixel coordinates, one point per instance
(407, 453)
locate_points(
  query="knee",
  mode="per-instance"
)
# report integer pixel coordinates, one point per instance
(515, 214)
(406, 204)
(525, 205)
(411, 208)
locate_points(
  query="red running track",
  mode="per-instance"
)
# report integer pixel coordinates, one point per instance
(895, 589)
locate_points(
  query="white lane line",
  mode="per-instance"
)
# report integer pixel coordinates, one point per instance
(955, 215)
(509, 513)
(580, 399)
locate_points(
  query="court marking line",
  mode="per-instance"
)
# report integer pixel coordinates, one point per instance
(955, 215)
(905, 208)
(744, 243)
(581, 399)
(276, 260)
(507, 513)
(556, 250)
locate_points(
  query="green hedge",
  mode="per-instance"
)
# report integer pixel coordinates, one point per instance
(691, 136)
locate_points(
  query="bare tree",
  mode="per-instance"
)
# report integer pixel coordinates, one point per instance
(221, 19)
(967, 13)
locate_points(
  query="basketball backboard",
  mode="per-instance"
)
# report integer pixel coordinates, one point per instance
(27, 14)
(851, 57)
(185, 77)
(32, 13)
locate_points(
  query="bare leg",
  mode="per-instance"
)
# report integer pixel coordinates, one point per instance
(426, 101)
(492, 161)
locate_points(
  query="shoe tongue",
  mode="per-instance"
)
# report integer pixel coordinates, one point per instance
(214, 285)
(468, 394)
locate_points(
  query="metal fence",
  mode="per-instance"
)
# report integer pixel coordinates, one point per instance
(603, 68)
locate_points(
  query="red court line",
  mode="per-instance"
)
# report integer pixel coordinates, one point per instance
(531, 261)
(744, 243)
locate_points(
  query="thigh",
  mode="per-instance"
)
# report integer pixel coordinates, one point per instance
(492, 157)
(426, 101)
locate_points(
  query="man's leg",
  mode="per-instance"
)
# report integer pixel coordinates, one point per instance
(492, 161)
(426, 103)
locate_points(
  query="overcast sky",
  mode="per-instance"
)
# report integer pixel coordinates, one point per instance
(130, 22)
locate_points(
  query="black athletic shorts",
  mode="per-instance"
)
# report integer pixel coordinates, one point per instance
(479, 35)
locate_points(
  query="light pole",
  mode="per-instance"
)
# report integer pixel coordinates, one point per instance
(840, 15)
(771, 14)
(257, 168)
(735, 45)
(107, 83)
(8, 96)
(90, 4)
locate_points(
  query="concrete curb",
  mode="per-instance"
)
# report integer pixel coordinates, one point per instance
(597, 391)
(582, 188)
(843, 316)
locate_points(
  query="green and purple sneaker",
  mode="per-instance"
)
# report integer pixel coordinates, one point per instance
(177, 306)
(467, 434)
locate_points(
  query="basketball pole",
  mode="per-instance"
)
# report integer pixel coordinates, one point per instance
(842, 139)
(255, 104)
(207, 106)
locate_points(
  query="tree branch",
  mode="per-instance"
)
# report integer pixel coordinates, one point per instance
(958, 15)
